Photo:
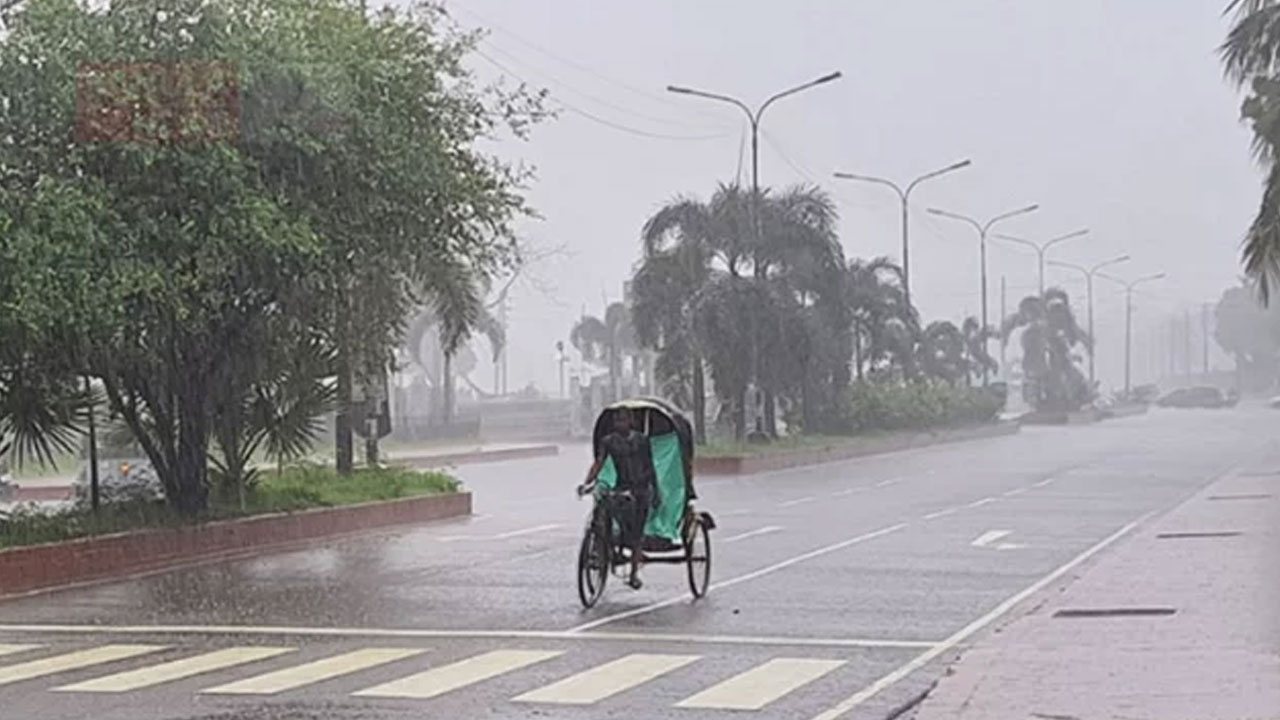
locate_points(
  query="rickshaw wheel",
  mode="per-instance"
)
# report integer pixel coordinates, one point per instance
(593, 566)
(697, 555)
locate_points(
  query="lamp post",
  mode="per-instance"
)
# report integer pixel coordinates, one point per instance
(1088, 273)
(983, 229)
(753, 117)
(1043, 247)
(1129, 285)
(904, 194)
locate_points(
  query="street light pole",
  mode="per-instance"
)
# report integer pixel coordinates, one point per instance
(983, 229)
(1129, 285)
(1042, 248)
(753, 117)
(904, 194)
(1088, 278)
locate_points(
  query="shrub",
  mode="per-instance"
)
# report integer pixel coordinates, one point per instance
(919, 406)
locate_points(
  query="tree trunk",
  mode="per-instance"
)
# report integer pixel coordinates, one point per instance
(371, 443)
(857, 350)
(192, 452)
(740, 415)
(770, 415)
(447, 385)
(699, 402)
(343, 451)
(613, 374)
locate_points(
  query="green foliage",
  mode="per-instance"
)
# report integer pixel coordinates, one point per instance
(1250, 333)
(1052, 380)
(878, 406)
(297, 488)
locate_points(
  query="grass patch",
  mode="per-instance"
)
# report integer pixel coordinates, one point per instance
(790, 443)
(300, 487)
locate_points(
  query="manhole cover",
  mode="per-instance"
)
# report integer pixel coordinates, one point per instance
(1243, 496)
(1173, 535)
(1114, 612)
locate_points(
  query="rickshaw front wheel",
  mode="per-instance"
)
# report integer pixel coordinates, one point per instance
(697, 555)
(593, 565)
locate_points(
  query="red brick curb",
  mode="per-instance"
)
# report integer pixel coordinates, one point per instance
(749, 464)
(476, 456)
(39, 567)
(46, 493)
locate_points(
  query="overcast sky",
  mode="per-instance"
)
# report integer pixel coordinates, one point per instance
(1111, 114)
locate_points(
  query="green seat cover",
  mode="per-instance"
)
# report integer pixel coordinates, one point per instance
(669, 464)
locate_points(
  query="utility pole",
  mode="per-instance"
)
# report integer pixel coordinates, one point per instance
(1204, 336)
(1004, 313)
(1129, 285)
(983, 229)
(904, 194)
(1186, 340)
(1088, 279)
(1042, 248)
(1173, 348)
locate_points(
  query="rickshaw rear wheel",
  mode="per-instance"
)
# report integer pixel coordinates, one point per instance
(593, 565)
(697, 555)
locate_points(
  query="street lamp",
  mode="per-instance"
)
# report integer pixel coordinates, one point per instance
(904, 194)
(1042, 248)
(983, 229)
(1088, 273)
(754, 118)
(1129, 285)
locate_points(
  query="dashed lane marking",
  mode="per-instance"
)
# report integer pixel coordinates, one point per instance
(766, 530)
(798, 501)
(941, 513)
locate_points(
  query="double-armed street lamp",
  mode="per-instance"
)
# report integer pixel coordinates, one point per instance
(904, 194)
(983, 230)
(1042, 248)
(1088, 273)
(1129, 285)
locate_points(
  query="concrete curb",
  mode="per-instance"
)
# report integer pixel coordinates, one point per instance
(24, 570)
(750, 464)
(440, 460)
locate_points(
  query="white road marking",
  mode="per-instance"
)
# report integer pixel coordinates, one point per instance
(964, 633)
(989, 537)
(13, 649)
(1015, 492)
(1043, 483)
(941, 513)
(175, 670)
(72, 661)
(847, 493)
(761, 685)
(819, 552)
(767, 529)
(527, 531)
(734, 513)
(980, 503)
(313, 672)
(411, 633)
(890, 481)
(798, 501)
(440, 680)
(607, 680)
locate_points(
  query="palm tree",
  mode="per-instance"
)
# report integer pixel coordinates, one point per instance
(1251, 57)
(943, 352)
(884, 326)
(1052, 381)
(606, 341)
(975, 348)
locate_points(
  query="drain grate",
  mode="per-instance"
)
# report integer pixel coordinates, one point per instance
(1114, 612)
(1243, 496)
(1177, 535)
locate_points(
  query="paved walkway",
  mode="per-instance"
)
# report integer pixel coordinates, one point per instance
(1216, 657)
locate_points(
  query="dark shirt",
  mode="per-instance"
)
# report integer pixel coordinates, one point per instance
(633, 459)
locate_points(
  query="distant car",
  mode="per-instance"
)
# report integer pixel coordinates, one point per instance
(1196, 397)
(120, 480)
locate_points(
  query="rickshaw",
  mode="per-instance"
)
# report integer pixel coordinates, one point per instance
(674, 533)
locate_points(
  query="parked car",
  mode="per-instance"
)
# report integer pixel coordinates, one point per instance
(120, 480)
(1196, 397)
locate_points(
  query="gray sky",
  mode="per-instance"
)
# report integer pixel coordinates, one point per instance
(1111, 114)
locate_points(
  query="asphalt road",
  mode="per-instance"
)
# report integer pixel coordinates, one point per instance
(839, 590)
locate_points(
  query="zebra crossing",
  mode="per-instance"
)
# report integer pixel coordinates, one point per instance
(268, 671)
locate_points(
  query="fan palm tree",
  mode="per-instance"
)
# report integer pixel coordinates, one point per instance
(606, 340)
(943, 353)
(979, 360)
(1251, 57)
(1052, 381)
(884, 326)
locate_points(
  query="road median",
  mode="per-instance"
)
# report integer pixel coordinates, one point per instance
(768, 459)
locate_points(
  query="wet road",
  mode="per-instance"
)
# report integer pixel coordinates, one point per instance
(840, 588)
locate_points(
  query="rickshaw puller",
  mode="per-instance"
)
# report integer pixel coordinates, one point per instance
(633, 461)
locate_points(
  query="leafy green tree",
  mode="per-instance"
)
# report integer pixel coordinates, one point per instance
(1250, 333)
(1052, 381)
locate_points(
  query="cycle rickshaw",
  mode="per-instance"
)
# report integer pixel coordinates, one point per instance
(674, 533)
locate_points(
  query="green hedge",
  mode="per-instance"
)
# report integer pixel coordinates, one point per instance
(877, 406)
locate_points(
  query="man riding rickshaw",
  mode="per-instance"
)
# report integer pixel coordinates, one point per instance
(642, 484)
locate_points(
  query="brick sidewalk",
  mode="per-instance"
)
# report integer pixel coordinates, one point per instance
(1217, 657)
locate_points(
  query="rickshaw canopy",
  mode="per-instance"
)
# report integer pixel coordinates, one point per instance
(671, 444)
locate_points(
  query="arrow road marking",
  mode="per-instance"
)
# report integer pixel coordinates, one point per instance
(986, 539)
